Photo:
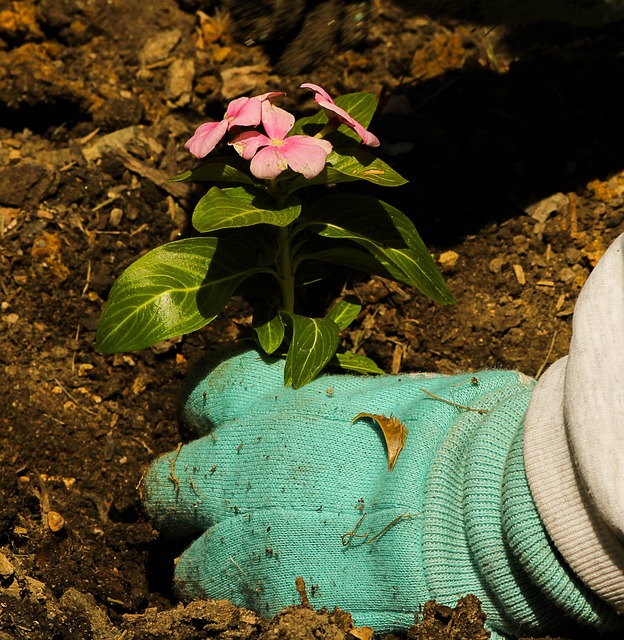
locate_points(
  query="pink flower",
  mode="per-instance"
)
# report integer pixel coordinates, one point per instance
(273, 153)
(242, 112)
(323, 99)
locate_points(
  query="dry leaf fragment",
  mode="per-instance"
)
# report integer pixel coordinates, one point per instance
(394, 431)
(362, 633)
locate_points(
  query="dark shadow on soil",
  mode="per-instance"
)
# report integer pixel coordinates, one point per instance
(551, 123)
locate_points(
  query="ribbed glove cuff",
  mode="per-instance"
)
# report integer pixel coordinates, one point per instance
(482, 530)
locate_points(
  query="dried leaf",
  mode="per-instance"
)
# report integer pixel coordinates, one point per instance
(394, 431)
(362, 633)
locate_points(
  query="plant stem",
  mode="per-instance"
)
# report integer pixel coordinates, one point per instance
(285, 269)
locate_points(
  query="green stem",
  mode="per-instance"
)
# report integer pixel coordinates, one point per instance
(332, 125)
(277, 190)
(285, 270)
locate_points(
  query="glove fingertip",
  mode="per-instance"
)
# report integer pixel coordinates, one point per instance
(225, 386)
(170, 494)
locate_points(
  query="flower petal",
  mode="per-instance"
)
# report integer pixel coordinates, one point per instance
(317, 89)
(268, 163)
(206, 138)
(277, 122)
(368, 138)
(305, 154)
(248, 143)
(324, 100)
(244, 112)
(270, 94)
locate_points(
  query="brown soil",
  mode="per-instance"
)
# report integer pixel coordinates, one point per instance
(96, 101)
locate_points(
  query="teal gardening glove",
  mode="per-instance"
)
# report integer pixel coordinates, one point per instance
(281, 484)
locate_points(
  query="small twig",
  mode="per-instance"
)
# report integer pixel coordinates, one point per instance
(104, 203)
(42, 494)
(573, 216)
(453, 404)
(347, 537)
(301, 589)
(238, 566)
(172, 461)
(139, 229)
(87, 281)
(160, 63)
(47, 415)
(69, 395)
(401, 517)
(139, 486)
(89, 136)
(192, 483)
(550, 350)
(489, 50)
(73, 361)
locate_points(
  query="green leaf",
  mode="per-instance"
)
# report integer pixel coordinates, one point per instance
(351, 257)
(329, 175)
(237, 207)
(360, 106)
(268, 325)
(217, 170)
(356, 162)
(314, 342)
(348, 164)
(350, 361)
(345, 311)
(173, 290)
(387, 234)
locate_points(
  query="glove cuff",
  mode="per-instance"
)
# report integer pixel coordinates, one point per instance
(482, 529)
(463, 540)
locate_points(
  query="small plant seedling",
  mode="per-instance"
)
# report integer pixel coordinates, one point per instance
(265, 233)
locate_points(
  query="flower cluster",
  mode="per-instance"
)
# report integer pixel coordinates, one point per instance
(274, 150)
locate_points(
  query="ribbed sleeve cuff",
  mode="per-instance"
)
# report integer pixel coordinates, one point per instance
(530, 544)
(571, 520)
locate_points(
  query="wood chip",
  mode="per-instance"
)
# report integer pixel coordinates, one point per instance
(519, 271)
(397, 358)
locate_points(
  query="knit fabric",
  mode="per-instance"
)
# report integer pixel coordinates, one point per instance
(574, 436)
(280, 484)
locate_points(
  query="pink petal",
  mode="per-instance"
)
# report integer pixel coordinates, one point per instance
(368, 138)
(317, 89)
(206, 138)
(248, 143)
(244, 112)
(305, 154)
(277, 122)
(270, 94)
(324, 100)
(268, 163)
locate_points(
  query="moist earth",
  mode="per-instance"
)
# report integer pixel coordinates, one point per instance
(510, 137)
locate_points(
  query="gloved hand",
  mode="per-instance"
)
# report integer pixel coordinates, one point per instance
(281, 484)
